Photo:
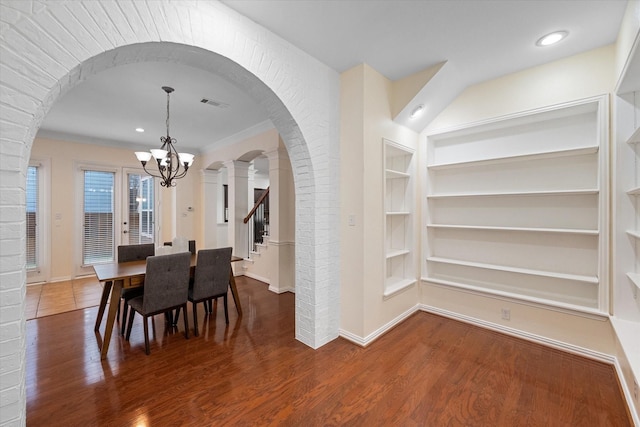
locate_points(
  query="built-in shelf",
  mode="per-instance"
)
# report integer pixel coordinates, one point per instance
(398, 206)
(399, 252)
(635, 279)
(519, 229)
(520, 204)
(393, 174)
(586, 192)
(581, 308)
(634, 191)
(531, 272)
(634, 233)
(394, 285)
(635, 137)
(628, 333)
(517, 158)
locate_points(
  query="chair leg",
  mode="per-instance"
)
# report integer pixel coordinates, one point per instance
(195, 316)
(226, 310)
(130, 324)
(146, 335)
(176, 315)
(186, 321)
(123, 323)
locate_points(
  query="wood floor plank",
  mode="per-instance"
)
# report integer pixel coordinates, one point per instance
(429, 370)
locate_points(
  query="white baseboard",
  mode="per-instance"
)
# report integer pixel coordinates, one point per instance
(559, 345)
(628, 394)
(365, 341)
(256, 277)
(281, 290)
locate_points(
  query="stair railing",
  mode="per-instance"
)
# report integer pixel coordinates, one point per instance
(257, 222)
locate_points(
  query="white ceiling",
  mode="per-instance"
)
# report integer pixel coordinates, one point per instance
(479, 39)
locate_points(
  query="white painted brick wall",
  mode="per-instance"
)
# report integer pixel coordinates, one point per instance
(47, 47)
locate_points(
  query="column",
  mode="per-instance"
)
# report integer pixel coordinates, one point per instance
(281, 221)
(209, 217)
(238, 187)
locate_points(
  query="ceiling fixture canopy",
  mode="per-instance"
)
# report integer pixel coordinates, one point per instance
(171, 164)
(552, 38)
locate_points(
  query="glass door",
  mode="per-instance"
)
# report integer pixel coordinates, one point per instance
(98, 217)
(139, 224)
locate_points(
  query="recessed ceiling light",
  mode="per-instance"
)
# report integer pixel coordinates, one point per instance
(416, 111)
(552, 38)
(139, 130)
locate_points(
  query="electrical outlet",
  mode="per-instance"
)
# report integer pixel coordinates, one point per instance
(506, 314)
(635, 389)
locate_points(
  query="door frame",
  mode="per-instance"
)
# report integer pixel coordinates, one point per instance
(157, 214)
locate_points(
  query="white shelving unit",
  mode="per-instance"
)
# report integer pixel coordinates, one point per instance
(626, 224)
(517, 206)
(398, 189)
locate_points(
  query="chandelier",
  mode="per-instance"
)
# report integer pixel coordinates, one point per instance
(171, 164)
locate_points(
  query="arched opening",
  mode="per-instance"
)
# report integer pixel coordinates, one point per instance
(216, 64)
(43, 61)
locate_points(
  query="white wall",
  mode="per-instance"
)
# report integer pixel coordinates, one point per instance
(365, 121)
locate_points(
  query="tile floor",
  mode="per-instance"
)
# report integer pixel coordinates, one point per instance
(54, 298)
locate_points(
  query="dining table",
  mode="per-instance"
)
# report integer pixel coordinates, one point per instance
(116, 276)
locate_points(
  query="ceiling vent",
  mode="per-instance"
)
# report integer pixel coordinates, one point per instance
(214, 103)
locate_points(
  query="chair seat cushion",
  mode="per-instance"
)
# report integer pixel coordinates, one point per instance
(136, 303)
(190, 296)
(129, 293)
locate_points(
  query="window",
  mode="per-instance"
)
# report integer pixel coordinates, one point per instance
(225, 188)
(141, 209)
(33, 199)
(98, 233)
(146, 210)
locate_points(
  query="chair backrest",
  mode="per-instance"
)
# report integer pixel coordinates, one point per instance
(212, 272)
(166, 282)
(135, 252)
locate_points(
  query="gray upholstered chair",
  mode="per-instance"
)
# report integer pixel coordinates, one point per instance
(166, 286)
(128, 253)
(210, 281)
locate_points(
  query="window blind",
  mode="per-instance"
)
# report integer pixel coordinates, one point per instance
(98, 235)
(32, 216)
(141, 209)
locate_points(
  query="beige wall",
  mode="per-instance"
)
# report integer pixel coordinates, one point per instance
(627, 36)
(65, 158)
(365, 121)
(569, 79)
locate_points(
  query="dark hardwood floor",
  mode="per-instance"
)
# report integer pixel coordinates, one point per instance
(428, 371)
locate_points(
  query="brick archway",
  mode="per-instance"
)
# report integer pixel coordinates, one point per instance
(48, 48)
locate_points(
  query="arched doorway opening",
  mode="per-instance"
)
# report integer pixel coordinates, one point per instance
(43, 60)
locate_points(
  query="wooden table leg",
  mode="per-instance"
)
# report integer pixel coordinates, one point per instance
(234, 292)
(103, 303)
(111, 317)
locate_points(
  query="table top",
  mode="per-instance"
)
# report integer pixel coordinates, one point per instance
(123, 270)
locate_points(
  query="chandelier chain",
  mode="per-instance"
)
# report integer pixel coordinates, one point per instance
(167, 114)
